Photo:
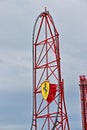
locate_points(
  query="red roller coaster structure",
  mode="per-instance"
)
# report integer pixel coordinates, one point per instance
(49, 108)
(83, 96)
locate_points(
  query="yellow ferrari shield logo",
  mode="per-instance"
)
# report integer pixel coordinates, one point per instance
(45, 88)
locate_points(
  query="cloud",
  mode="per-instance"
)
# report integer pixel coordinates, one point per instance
(16, 66)
(14, 26)
(14, 127)
(15, 110)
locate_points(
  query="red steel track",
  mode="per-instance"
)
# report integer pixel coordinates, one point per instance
(47, 115)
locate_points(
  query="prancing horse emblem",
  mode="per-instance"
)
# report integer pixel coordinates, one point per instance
(45, 88)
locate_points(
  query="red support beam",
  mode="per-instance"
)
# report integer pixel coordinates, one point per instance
(83, 97)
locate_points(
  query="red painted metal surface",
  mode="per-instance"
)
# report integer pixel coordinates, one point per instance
(83, 96)
(52, 93)
(50, 114)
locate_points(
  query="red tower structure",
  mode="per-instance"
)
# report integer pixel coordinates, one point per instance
(49, 108)
(83, 95)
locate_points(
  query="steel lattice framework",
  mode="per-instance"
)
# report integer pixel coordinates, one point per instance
(49, 113)
(83, 96)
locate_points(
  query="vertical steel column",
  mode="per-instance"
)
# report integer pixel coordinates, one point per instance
(83, 97)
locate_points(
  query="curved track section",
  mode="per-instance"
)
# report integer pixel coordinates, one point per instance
(49, 110)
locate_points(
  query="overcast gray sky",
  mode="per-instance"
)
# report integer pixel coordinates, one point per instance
(17, 18)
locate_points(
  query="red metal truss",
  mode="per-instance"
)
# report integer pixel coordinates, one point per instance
(50, 114)
(83, 96)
